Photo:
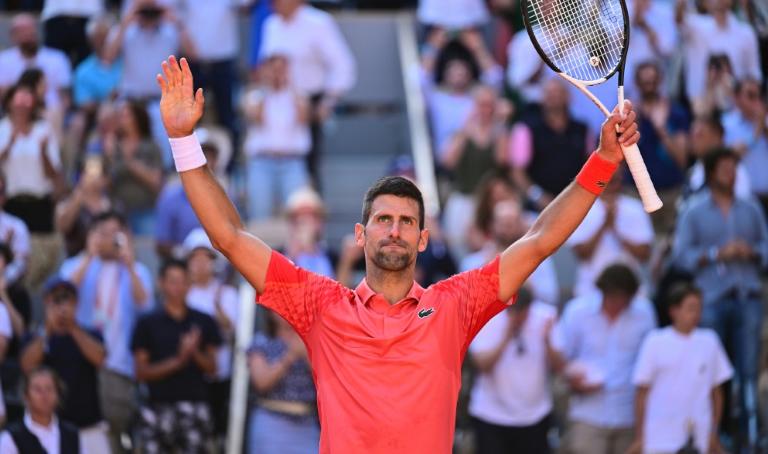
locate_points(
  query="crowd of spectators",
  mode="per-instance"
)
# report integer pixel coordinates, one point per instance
(647, 328)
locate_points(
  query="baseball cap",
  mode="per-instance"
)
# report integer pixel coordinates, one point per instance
(197, 239)
(58, 284)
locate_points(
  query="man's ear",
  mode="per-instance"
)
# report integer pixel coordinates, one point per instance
(423, 240)
(359, 234)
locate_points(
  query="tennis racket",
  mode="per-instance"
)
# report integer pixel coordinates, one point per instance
(585, 42)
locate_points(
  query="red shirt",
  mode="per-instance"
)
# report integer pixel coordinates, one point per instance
(387, 376)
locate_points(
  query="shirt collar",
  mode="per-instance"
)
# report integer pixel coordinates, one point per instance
(365, 293)
(33, 426)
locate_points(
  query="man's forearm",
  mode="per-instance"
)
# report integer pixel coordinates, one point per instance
(91, 348)
(561, 217)
(205, 360)
(159, 370)
(213, 208)
(138, 291)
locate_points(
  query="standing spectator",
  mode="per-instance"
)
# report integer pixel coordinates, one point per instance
(96, 77)
(134, 165)
(64, 24)
(707, 135)
(277, 140)
(512, 409)
(175, 349)
(548, 147)
(75, 354)
(722, 240)
(322, 66)
(216, 40)
(284, 420)
(30, 159)
(453, 14)
(174, 217)
(450, 69)
(89, 198)
(41, 431)
(678, 376)
(27, 52)
(616, 230)
(475, 151)
(507, 226)
(718, 32)
(746, 130)
(599, 336)
(11, 325)
(147, 33)
(306, 223)
(211, 296)
(113, 289)
(663, 135)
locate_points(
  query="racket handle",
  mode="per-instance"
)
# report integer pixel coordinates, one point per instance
(651, 200)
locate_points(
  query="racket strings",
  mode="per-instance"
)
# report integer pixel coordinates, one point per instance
(583, 38)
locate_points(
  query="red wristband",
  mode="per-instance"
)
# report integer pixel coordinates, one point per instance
(596, 174)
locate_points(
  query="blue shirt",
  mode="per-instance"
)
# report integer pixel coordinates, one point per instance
(95, 82)
(703, 228)
(584, 335)
(174, 217)
(740, 131)
(665, 172)
(115, 316)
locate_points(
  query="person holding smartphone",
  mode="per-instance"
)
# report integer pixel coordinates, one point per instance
(113, 290)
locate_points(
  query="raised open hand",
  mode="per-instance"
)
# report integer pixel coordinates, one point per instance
(180, 107)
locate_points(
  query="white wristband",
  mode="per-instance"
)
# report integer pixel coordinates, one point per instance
(187, 153)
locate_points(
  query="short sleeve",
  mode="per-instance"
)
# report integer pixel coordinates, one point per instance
(296, 294)
(477, 294)
(723, 371)
(141, 335)
(644, 367)
(5, 323)
(7, 446)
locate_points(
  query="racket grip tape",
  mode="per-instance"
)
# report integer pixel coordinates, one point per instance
(648, 195)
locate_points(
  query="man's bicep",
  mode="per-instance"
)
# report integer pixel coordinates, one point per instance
(517, 263)
(251, 257)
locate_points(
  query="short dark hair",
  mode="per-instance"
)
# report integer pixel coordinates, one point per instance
(618, 278)
(652, 63)
(679, 292)
(109, 215)
(8, 99)
(713, 158)
(171, 264)
(397, 186)
(746, 81)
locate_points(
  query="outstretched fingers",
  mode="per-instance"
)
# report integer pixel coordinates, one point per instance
(186, 77)
(162, 83)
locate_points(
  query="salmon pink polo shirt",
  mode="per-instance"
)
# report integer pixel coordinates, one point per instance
(387, 376)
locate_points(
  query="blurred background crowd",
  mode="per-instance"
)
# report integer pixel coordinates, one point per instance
(118, 314)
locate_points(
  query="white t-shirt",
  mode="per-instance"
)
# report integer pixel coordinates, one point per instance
(203, 299)
(49, 437)
(280, 130)
(524, 64)
(506, 396)
(215, 27)
(681, 371)
(24, 169)
(632, 223)
(52, 62)
(77, 8)
(14, 232)
(320, 59)
(453, 14)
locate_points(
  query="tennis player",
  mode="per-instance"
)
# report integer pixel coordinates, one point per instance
(386, 356)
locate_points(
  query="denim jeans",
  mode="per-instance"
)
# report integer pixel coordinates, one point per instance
(273, 178)
(737, 322)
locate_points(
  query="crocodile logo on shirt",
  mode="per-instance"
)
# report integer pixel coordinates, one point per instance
(426, 312)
